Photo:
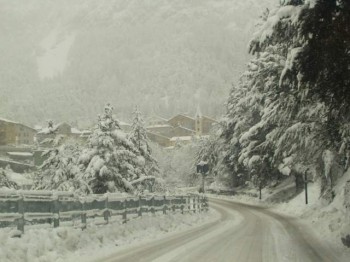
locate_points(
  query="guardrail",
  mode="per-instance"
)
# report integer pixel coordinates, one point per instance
(39, 207)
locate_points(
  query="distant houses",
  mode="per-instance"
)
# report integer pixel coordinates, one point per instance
(65, 130)
(20, 142)
(14, 133)
(180, 129)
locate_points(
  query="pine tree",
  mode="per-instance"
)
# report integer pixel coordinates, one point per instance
(112, 162)
(267, 118)
(60, 171)
(138, 136)
(285, 109)
(5, 182)
(324, 67)
(253, 114)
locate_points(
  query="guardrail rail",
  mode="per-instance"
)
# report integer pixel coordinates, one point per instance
(21, 208)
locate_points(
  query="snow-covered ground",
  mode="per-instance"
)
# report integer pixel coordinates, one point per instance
(74, 244)
(329, 221)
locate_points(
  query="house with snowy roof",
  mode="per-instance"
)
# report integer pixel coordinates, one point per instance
(180, 128)
(182, 121)
(15, 133)
(64, 129)
(155, 120)
(159, 139)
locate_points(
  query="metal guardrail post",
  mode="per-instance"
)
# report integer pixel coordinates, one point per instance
(199, 204)
(56, 212)
(20, 221)
(83, 215)
(173, 203)
(153, 208)
(194, 204)
(125, 212)
(203, 203)
(206, 203)
(182, 205)
(106, 212)
(188, 200)
(140, 207)
(164, 205)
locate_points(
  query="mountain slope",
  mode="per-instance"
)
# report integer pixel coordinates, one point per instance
(64, 59)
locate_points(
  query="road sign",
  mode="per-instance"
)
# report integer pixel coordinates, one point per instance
(202, 168)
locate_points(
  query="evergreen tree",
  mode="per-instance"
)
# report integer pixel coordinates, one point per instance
(287, 109)
(112, 162)
(269, 119)
(60, 171)
(5, 182)
(252, 115)
(323, 66)
(138, 136)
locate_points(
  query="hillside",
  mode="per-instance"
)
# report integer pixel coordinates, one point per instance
(63, 60)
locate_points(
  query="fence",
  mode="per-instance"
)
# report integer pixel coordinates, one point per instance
(37, 207)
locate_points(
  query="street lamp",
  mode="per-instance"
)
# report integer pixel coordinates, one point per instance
(203, 168)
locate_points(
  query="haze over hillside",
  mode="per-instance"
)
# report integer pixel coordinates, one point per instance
(63, 60)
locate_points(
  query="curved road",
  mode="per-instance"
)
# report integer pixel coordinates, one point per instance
(243, 233)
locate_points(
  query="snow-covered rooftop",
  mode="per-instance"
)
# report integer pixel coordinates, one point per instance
(181, 138)
(183, 115)
(8, 121)
(159, 126)
(75, 131)
(19, 153)
(185, 128)
(14, 122)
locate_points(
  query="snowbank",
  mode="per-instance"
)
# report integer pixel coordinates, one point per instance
(73, 244)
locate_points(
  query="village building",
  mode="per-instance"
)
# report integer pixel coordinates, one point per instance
(183, 121)
(155, 120)
(180, 129)
(14, 133)
(161, 140)
(65, 130)
(163, 130)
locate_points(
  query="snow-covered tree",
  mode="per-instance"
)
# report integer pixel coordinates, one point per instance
(209, 149)
(112, 162)
(177, 166)
(138, 136)
(60, 171)
(277, 111)
(252, 114)
(316, 73)
(5, 182)
(264, 112)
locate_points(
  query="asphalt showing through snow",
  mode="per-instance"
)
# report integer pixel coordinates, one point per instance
(243, 233)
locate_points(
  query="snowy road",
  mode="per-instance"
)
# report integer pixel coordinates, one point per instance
(243, 233)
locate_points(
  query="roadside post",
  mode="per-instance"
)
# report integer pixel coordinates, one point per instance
(305, 182)
(260, 188)
(202, 168)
